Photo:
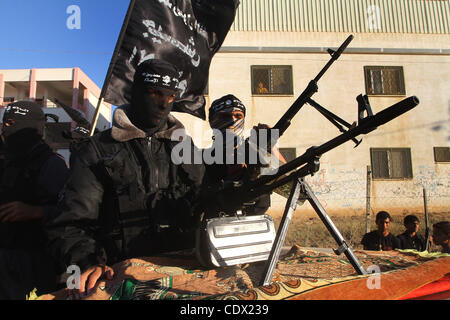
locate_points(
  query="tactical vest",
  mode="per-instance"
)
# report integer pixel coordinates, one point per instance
(19, 183)
(142, 197)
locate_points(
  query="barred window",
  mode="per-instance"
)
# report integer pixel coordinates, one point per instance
(384, 81)
(54, 135)
(441, 154)
(391, 163)
(275, 80)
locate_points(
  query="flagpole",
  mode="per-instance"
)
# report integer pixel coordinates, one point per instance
(111, 67)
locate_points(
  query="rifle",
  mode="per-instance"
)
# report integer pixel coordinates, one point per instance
(234, 195)
(74, 114)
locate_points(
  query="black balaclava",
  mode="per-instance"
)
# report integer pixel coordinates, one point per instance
(220, 118)
(23, 126)
(147, 112)
(227, 104)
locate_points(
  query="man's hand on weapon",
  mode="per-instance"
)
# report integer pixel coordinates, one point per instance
(89, 280)
(271, 150)
(262, 126)
(18, 211)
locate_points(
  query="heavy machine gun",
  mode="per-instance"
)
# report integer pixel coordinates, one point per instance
(236, 194)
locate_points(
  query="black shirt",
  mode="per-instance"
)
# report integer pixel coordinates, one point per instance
(376, 242)
(407, 242)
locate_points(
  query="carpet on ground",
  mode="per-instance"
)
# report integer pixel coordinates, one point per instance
(301, 274)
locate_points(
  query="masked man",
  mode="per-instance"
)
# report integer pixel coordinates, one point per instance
(227, 119)
(32, 177)
(125, 198)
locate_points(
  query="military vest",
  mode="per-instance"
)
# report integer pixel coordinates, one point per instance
(143, 191)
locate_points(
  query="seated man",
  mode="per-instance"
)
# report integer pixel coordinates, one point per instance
(227, 118)
(441, 235)
(381, 239)
(410, 239)
(125, 197)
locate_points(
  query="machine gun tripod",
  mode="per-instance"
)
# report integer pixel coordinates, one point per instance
(301, 190)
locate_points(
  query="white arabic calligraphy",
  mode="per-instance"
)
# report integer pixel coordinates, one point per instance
(143, 54)
(22, 112)
(188, 20)
(186, 49)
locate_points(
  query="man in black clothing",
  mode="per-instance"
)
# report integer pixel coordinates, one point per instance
(441, 235)
(410, 239)
(125, 197)
(381, 239)
(32, 177)
(227, 117)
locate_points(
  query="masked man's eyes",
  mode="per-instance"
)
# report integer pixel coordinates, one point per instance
(158, 94)
(238, 115)
(230, 115)
(9, 122)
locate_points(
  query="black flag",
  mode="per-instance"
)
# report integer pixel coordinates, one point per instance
(186, 33)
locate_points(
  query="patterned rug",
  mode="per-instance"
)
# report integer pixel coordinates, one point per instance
(300, 274)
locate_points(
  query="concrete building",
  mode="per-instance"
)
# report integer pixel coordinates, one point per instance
(71, 86)
(401, 48)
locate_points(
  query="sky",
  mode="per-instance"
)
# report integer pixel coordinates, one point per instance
(60, 34)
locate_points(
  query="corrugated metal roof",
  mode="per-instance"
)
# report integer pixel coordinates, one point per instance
(377, 16)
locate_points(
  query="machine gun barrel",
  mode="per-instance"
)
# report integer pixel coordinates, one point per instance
(365, 126)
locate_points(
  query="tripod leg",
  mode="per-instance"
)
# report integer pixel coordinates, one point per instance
(343, 247)
(271, 263)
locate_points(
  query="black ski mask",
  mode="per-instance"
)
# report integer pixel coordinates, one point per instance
(154, 89)
(23, 126)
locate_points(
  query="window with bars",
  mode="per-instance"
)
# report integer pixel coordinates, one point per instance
(391, 163)
(441, 154)
(384, 81)
(272, 80)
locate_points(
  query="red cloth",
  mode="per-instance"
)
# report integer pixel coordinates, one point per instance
(436, 290)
